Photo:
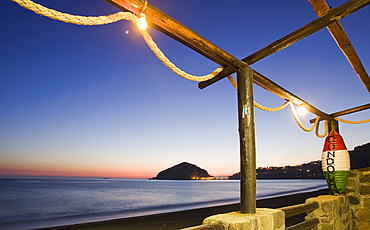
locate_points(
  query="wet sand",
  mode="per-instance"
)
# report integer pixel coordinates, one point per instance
(188, 218)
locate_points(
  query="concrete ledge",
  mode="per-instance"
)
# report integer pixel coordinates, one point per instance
(263, 219)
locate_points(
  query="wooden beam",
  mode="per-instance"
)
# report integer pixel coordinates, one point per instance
(342, 40)
(307, 224)
(179, 32)
(352, 110)
(345, 112)
(298, 209)
(271, 86)
(312, 27)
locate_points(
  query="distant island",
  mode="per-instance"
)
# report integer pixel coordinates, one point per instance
(360, 158)
(183, 171)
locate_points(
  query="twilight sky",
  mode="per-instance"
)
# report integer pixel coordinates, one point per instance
(95, 101)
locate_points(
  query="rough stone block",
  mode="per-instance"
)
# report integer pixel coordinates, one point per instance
(328, 219)
(327, 226)
(364, 169)
(351, 182)
(364, 190)
(279, 220)
(354, 224)
(365, 178)
(364, 226)
(352, 174)
(263, 219)
(340, 211)
(327, 206)
(366, 203)
(354, 200)
(349, 190)
(363, 215)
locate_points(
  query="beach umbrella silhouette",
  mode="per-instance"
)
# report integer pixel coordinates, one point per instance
(335, 163)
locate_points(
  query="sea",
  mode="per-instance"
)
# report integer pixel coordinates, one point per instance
(28, 203)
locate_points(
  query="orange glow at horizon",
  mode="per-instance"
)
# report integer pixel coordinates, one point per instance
(43, 169)
(110, 174)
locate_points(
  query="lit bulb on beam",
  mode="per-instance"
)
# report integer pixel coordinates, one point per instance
(141, 24)
(302, 110)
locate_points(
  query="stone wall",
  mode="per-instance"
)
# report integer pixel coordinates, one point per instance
(358, 192)
(333, 212)
(348, 211)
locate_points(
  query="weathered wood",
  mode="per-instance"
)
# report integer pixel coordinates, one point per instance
(206, 227)
(305, 225)
(333, 125)
(342, 40)
(247, 141)
(312, 27)
(295, 210)
(345, 112)
(179, 32)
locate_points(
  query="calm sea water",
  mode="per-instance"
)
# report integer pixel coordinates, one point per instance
(27, 203)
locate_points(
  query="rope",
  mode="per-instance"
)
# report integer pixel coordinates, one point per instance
(74, 19)
(233, 82)
(326, 130)
(296, 117)
(271, 109)
(352, 122)
(83, 20)
(148, 39)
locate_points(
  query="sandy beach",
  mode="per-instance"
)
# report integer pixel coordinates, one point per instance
(188, 218)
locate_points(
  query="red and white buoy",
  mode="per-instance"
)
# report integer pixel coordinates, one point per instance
(335, 163)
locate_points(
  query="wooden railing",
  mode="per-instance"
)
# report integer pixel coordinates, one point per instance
(206, 227)
(298, 209)
(290, 211)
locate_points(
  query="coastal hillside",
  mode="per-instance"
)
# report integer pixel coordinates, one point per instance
(183, 171)
(360, 156)
(310, 170)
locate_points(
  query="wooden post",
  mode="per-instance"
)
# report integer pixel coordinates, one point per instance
(333, 125)
(247, 141)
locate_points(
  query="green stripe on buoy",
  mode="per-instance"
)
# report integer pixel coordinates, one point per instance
(337, 181)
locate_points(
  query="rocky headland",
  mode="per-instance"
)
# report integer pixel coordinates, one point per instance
(183, 171)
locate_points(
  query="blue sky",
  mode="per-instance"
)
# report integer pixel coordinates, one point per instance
(95, 101)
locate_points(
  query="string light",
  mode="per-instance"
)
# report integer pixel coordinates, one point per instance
(142, 24)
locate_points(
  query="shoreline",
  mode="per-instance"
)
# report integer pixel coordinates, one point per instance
(193, 217)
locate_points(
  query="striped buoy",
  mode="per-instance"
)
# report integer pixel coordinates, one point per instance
(335, 163)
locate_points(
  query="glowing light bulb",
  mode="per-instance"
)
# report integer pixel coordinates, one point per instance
(141, 24)
(302, 111)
